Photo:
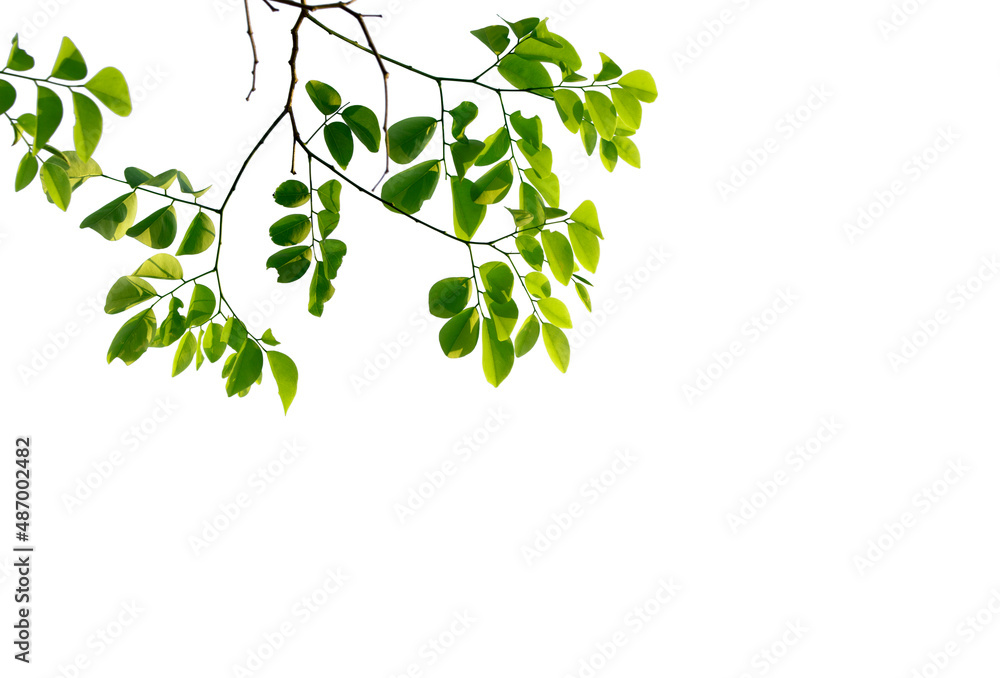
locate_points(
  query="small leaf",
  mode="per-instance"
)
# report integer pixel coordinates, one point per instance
(364, 124)
(158, 230)
(628, 151)
(468, 215)
(290, 230)
(556, 312)
(199, 236)
(460, 335)
(213, 342)
(286, 374)
(498, 355)
(586, 216)
(408, 138)
(328, 221)
(326, 98)
(292, 193)
(340, 142)
(540, 159)
(529, 129)
(584, 294)
(19, 60)
(110, 88)
(504, 317)
(641, 84)
(202, 306)
(320, 291)
(334, 252)
(523, 27)
(493, 186)
(268, 338)
(586, 246)
(8, 95)
(557, 346)
(199, 356)
(464, 154)
(538, 285)
(627, 106)
(609, 69)
(462, 116)
(27, 169)
(526, 336)
(531, 251)
(186, 349)
(494, 37)
(161, 267)
(497, 146)
(127, 292)
(56, 184)
(246, 368)
(570, 109)
(48, 115)
(609, 155)
(114, 219)
(186, 186)
(602, 111)
(498, 281)
(559, 253)
(291, 263)
(234, 334)
(547, 186)
(329, 195)
(525, 74)
(447, 298)
(133, 338)
(69, 63)
(408, 190)
(89, 126)
(589, 135)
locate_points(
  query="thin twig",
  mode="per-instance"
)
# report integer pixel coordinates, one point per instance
(253, 46)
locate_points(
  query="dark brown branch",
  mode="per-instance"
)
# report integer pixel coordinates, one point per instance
(295, 78)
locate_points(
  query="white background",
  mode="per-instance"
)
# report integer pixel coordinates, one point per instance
(797, 563)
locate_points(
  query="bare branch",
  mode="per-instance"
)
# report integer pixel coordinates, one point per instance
(253, 46)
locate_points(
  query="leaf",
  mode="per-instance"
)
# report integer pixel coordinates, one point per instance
(326, 98)
(523, 27)
(364, 124)
(246, 369)
(529, 129)
(497, 146)
(110, 88)
(447, 298)
(89, 126)
(556, 312)
(69, 62)
(627, 106)
(320, 291)
(408, 190)
(547, 186)
(538, 285)
(589, 136)
(525, 75)
(609, 155)
(186, 187)
(498, 281)
(542, 34)
(227, 367)
(531, 251)
(584, 294)
(114, 219)
(234, 334)
(640, 84)
(570, 109)
(540, 159)
(557, 346)
(504, 318)
(133, 338)
(292, 193)
(464, 154)
(127, 292)
(80, 170)
(408, 138)
(562, 54)
(609, 69)
(559, 253)
(468, 215)
(586, 216)
(531, 203)
(603, 113)
(286, 374)
(160, 267)
(494, 185)
(291, 263)
(158, 230)
(199, 236)
(627, 151)
(585, 245)
(185, 354)
(28, 123)
(202, 306)
(48, 114)
(328, 221)
(8, 95)
(268, 338)
(462, 116)
(27, 169)
(199, 356)
(340, 142)
(290, 230)
(495, 37)
(526, 336)
(329, 195)
(55, 183)
(460, 335)
(498, 355)
(213, 343)
(19, 60)
(334, 252)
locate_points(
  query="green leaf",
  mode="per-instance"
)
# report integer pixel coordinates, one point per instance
(290, 230)
(523, 27)
(462, 116)
(364, 124)
(531, 203)
(524, 74)
(48, 114)
(570, 109)
(584, 294)
(334, 252)
(494, 185)
(8, 95)
(186, 186)
(548, 186)
(586, 216)
(246, 369)
(114, 219)
(498, 281)
(627, 106)
(80, 170)
(268, 338)
(585, 245)
(185, 354)
(340, 142)
(110, 88)
(522, 220)
(465, 153)
(127, 292)
(328, 221)
(160, 267)
(468, 215)
(449, 297)
(498, 355)
(609, 69)
(227, 367)
(202, 306)
(589, 135)
(326, 98)
(213, 343)
(542, 34)
(563, 54)
(540, 159)
(27, 169)
(504, 317)
(641, 84)
(19, 60)
(559, 253)
(602, 111)
(526, 336)
(531, 251)
(199, 236)
(408, 190)
(89, 125)
(408, 138)
(291, 263)
(460, 335)
(69, 63)
(329, 195)
(234, 334)
(609, 155)
(495, 37)
(538, 285)
(286, 374)
(292, 193)
(627, 151)
(199, 356)
(55, 183)
(529, 129)
(158, 230)
(133, 338)
(28, 123)
(320, 291)
(557, 346)
(556, 312)
(497, 146)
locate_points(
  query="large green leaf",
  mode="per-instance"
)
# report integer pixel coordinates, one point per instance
(334, 252)
(408, 190)
(495, 37)
(540, 159)
(627, 106)
(89, 126)
(494, 185)
(497, 146)
(320, 291)
(158, 230)
(586, 246)
(504, 317)
(48, 114)
(641, 84)
(468, 214)
(464, 154)
(286, 374)
(462, 116)
(529, 129)
(548, 186)
(526, 336)
(340, 142)
(199, 236)
(56, 184)
(19, 60)
(213, 343)
(160, 267)
(557, 346)
(291, 229)
(114, 219)
(586, 216)
(609, 69)
(525, 74)
(541, 50)
(246, 369)
(186, 349)
(559, 253)
(609, 155)
(603, 113)
(291, 263)
(202, 306)
(110, 88)
(8, 95)
(531, 251)
(570, 109)
(408, 138)
(498, 355)
(291, 193)
(364, 123)
(538, 285)
(627, 151)
(555, 312)
(27, 170)
(589, 136)
(133, 338)
(326, 98)
(329, 195)
(127, 292)
(69, 62)
(447, 298)
(498, 281)
(460, 335)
